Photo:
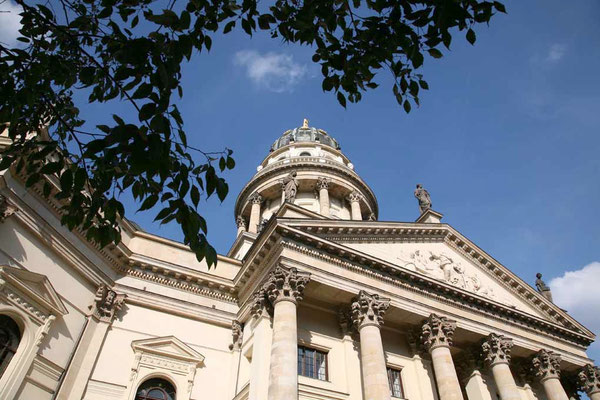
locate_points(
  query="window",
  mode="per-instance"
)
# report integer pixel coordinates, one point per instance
(312, 363)
(395, 382)
(305, 154)
(10, 336)
(155, 389)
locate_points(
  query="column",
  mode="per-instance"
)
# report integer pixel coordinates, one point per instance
(546, 366)
(496, 352)
(367, 316)
(323, 188)
(106, 304)
(354, 199)
(468, 367)
(261, 346)
(589, 381)
(237, 334)
(241, 225)
(284, 289)
(256, 199)
(436, 335)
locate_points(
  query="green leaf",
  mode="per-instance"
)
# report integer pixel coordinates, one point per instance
(147, 111)
(142, 91)
(149, 202)
(435, 53)
(406, 106)
(341, 99)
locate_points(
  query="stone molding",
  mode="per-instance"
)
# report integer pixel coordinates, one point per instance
(546, 365)
(237, 333)
(496, 349)
(437, 331)
(6, 209)
(106, 304)
(589, 379)
(255, 198)
(368, 309)
(322, 183)
(286, 284)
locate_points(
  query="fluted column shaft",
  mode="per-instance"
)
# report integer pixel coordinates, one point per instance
(323, 186)
(436, 336)
(284, 289)
(255, 200)
(367, 316)
(496, 350)
(546, 366)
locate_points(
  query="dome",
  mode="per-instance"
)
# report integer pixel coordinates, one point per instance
(305, 134)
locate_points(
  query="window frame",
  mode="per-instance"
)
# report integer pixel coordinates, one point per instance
(398, 370)
(315, 365)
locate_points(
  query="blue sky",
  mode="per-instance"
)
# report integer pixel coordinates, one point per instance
(506, 140)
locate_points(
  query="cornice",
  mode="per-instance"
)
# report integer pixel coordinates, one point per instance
(381, 270)
(368, 232)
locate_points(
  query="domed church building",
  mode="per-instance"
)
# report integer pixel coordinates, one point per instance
(316, 299)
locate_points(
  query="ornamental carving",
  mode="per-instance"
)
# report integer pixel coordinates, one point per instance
(345, 321)
(260, 304)
(237, 332)
(589, 379)
(6, 209)
(354, 196)
(449, 269)
(286, 284)
(106, 303)
(437, 331)
(240, 222)
(546, 365)
(322, 183)
(368, 309)
(256, 198)
(496, 349)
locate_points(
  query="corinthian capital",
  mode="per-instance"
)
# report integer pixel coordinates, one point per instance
(106, 303)
(368, 309)
(589, 379)
(437, 331)
(546, 365)
(256, 198)
(260, 304)
(237, 333)
(354, 196)
(322, 183)
(240, 222)
(286, 284)
(496, 349)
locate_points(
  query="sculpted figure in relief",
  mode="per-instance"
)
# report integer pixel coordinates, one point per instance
(290, 186)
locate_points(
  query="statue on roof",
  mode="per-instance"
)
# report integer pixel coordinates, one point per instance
(290, 187)
(542, 288)
(305, 123)
(423, 196)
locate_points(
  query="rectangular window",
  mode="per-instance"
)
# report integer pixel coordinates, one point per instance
(312, 363)
(395, 382)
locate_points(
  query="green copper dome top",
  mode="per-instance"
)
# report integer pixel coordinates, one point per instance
(305, 134)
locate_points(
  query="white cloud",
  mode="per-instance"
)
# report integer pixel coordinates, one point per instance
(556, 52)
(578, 293)
(273, 71)
(10, 22)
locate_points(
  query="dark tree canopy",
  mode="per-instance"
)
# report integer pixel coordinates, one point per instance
(133, 50)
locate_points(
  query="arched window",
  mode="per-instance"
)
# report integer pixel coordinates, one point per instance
(305, 154)
(10, 336)
(155, 389)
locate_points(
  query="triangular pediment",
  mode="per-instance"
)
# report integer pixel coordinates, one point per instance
(436, 252)
(35, 286)
(168, 346)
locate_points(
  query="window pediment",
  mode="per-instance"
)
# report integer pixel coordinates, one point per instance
(168, 347)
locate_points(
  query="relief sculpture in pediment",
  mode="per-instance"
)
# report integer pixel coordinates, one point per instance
(441, 266)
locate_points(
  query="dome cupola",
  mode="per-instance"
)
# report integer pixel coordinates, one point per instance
(305, 167)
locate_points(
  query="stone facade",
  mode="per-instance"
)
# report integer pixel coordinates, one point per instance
(320, 302)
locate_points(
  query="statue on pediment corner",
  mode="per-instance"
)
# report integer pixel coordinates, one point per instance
(542, 287)
(424, 199)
